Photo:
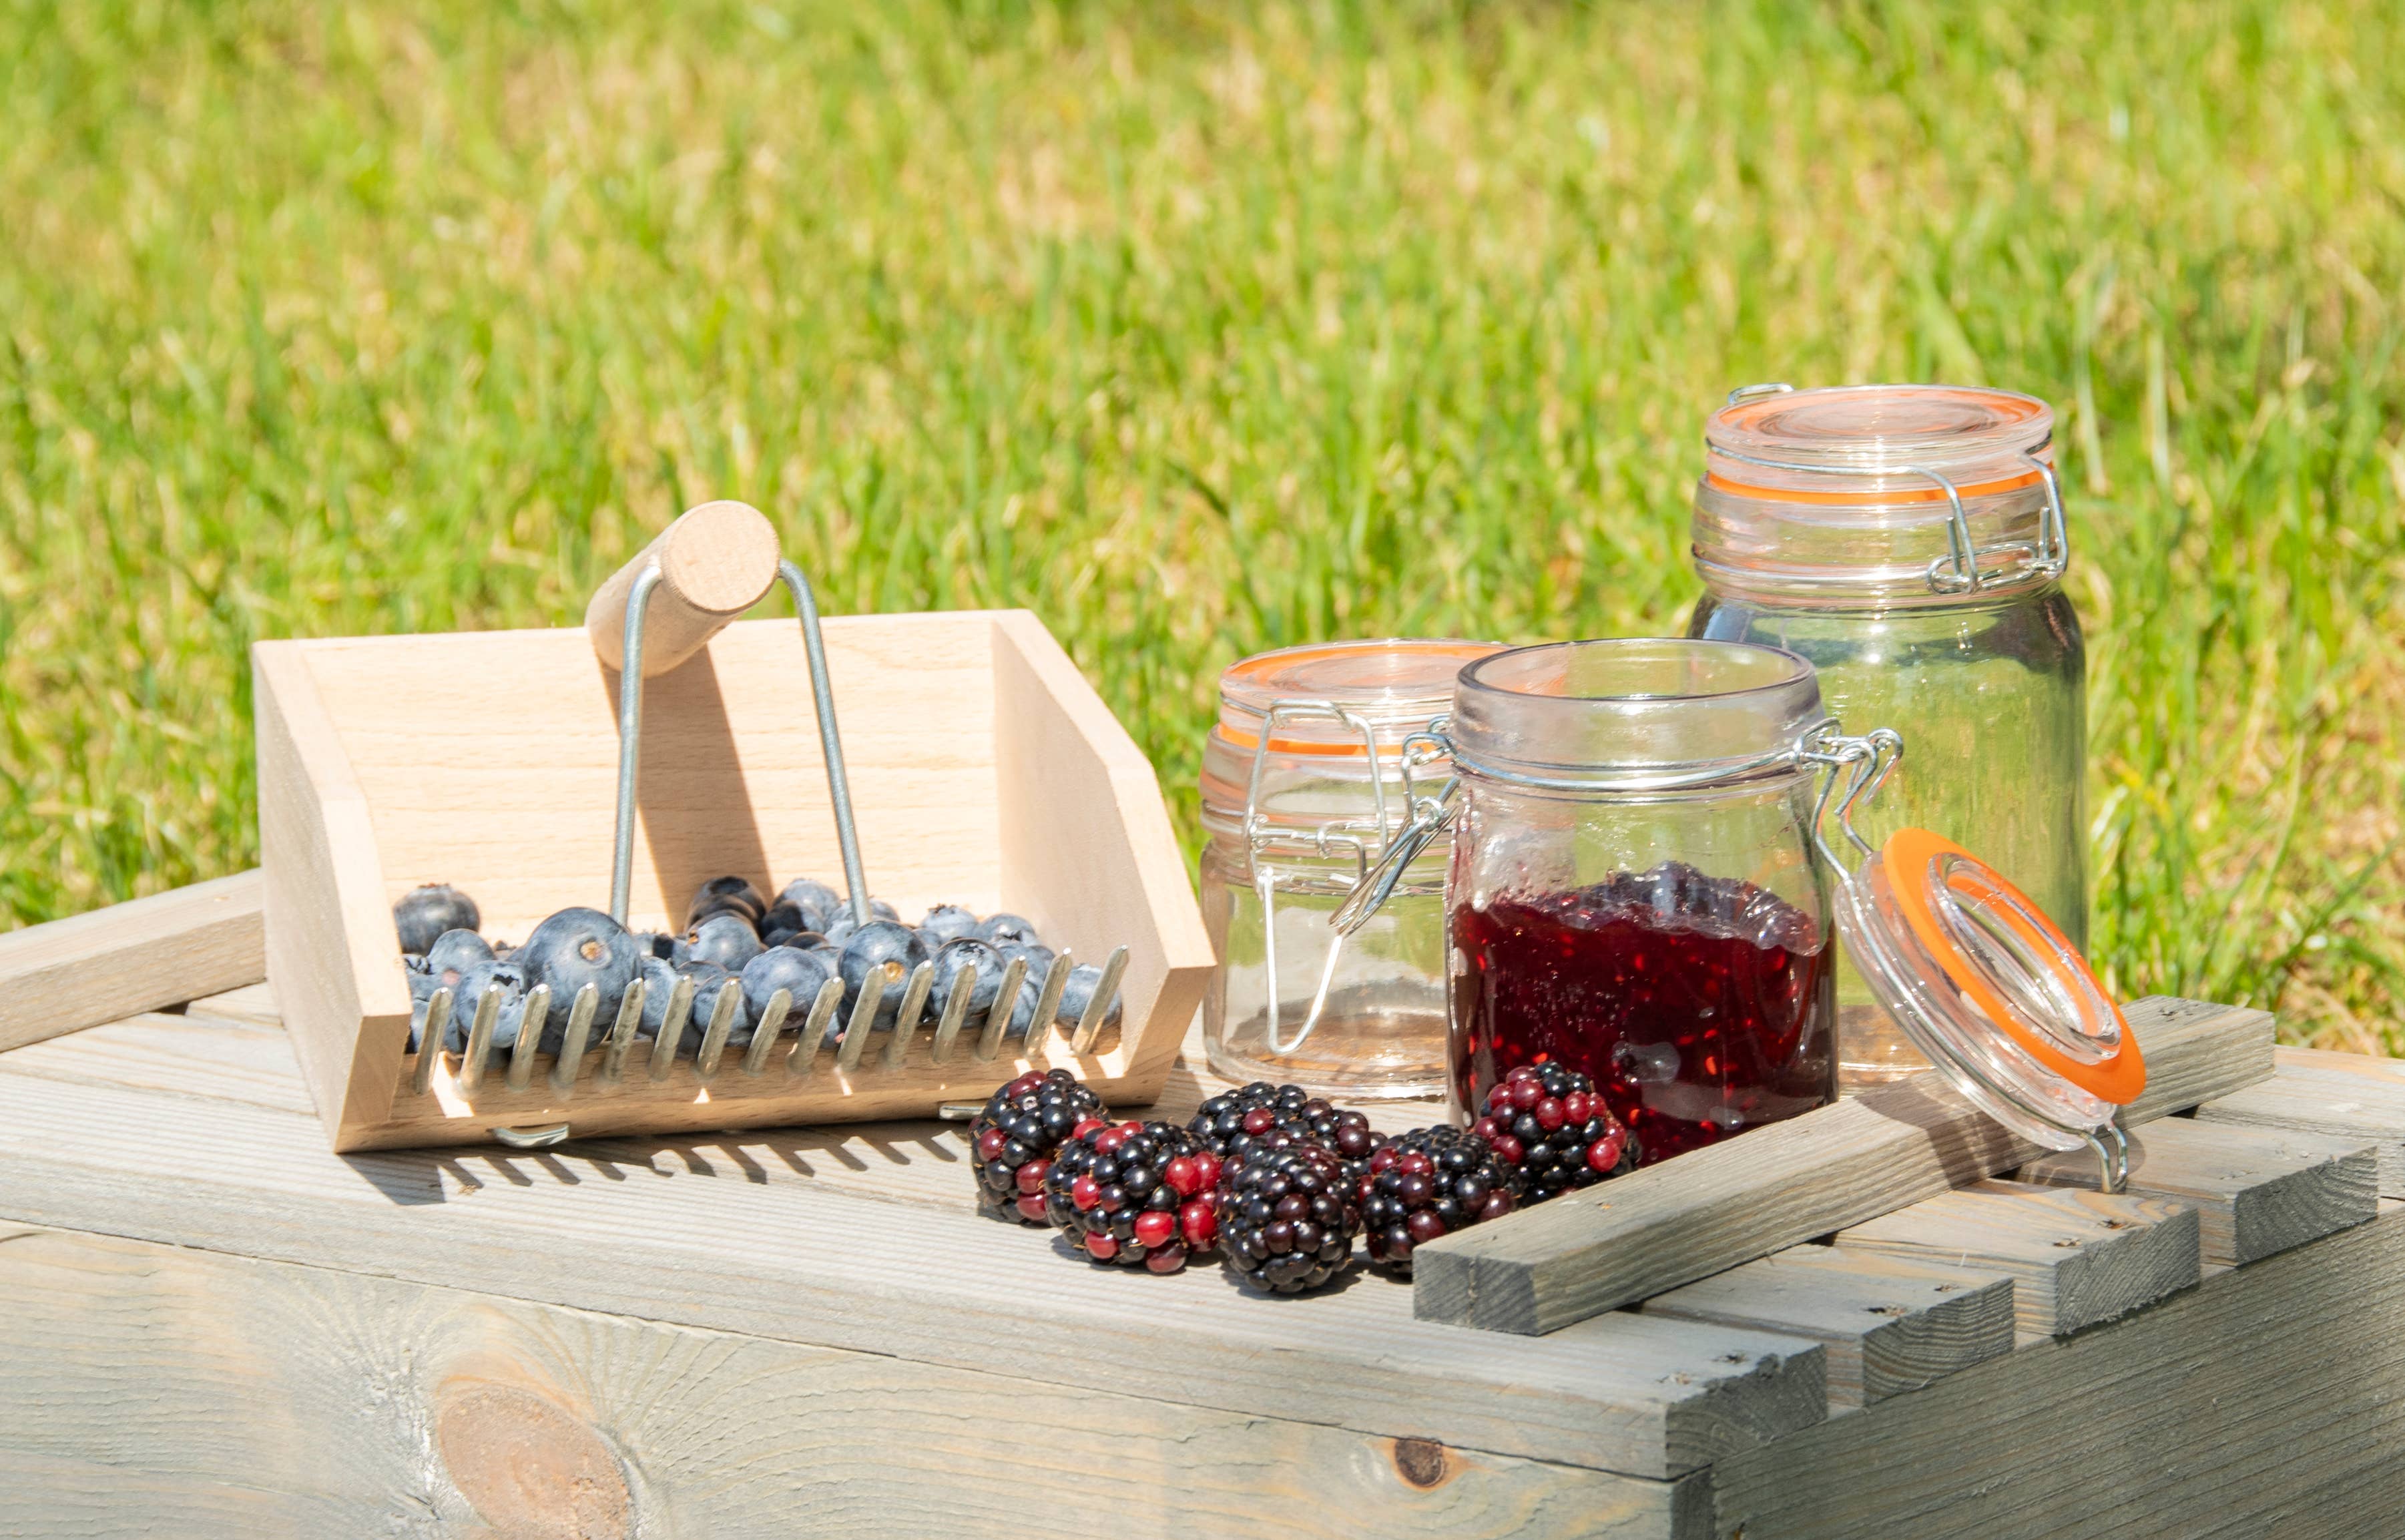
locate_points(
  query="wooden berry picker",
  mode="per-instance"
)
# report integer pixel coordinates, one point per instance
(422, 798)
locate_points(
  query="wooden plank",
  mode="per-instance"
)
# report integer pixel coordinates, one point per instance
(2344, 1096)
(1717, 1207)
(2076, 1257)
(731, 1233)
(2256, 1190)
(1888, 1324)
(2270, 1400)
(148, 1389)
(128, 959)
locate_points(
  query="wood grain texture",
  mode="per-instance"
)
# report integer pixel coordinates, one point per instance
(370, 1406)
(2269, 1402)
(2325, 1094)
(1784, 1183)
(715, 561)
(130, 957)
(984, 771)
(2256, 1190)
(1890, 1324)
(2076, 1257)
(749, 1232)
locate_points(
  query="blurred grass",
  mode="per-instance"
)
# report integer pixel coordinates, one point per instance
(1200, 331)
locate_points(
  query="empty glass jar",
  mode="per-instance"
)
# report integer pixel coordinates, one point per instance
(1634, 889)
(1302, 786)
(1908, 541)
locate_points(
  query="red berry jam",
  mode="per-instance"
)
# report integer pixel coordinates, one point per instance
(1699, 1006)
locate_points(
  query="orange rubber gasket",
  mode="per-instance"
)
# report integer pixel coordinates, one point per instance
(1869, 500)
(1909, 856)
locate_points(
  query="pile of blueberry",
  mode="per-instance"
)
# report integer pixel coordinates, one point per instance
(1278, 1182)
(734, 940)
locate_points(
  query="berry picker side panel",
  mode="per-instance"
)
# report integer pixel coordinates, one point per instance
(984, 771)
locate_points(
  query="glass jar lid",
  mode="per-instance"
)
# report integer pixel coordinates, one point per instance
(1926, 488)
(1975, 974)
(1393, 685)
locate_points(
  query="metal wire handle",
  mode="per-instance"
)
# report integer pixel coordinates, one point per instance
(631, 736)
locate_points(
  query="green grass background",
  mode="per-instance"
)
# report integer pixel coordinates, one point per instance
(1202, 330)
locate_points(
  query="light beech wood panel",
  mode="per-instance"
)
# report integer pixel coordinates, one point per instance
(147, 1390)
(1776, 1186)
(2076, 1257)
(708, 1234)
(2256, 1190)
(111, 963)
(1890, 1324)
(2266, 1403)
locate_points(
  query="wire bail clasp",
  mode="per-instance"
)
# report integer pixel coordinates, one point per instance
(1429, 817)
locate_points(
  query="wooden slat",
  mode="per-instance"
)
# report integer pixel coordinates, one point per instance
(730, 1234)
(130, 957)
(2320, 1095)
(1888, 1324)
(2270, 1400)
(1712, 1209)
(2256, 1190)
(155, 1391)
(2076, 1257)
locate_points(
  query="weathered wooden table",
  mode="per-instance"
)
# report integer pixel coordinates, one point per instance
(215, 1326)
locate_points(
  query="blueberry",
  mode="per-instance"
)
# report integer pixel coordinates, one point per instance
(414, 962)
(723, 940)
(800, 940)
(1037, 958)
(573, 948)
(708, 981)
(1022, 1010)
(802, 973)
(454, 953)
(659, 981)
(947, 923)
(880, 910)
(880, 942)
(722, 907)
(417, 1021)
(655, 944)
(784, 916)
(508, 977)
(812, 898)
(983, 985)
(720, 894)
(425, 914)
(838, 929)
(1006, 929)
(1078, 991)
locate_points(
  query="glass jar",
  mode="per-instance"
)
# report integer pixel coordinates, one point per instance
(1634, 892)
(1908, 541)
(1304, 785)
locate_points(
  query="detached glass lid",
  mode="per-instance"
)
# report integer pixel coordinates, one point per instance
(1976, 975)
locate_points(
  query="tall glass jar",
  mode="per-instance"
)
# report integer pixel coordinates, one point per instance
(1634, 892)
(1908, 541)
(1302, 786)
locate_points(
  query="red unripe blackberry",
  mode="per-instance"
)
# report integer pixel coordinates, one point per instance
(1108, 1190)
(1547, 1123)
(1431, 1182)
(1237, 1125)
(1014, 1137)
(1288, 1219)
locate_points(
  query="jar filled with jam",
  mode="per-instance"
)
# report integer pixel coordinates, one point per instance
(1633, 891)
(1304, 787)
(1908, 541)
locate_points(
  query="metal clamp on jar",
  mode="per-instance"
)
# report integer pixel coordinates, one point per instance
(1908, 541)
(1303, 789)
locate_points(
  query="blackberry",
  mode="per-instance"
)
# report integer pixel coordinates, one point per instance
(1288, 1219)
(1238, 1124)
(1548, 1122)
(1019, 1131)
(1430, 1182)
(1135, 1193)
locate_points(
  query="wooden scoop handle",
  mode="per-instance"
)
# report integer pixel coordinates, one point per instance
(715, 563)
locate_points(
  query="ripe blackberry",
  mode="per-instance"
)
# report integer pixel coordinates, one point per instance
(1430, 1182)
(1237, 1125)
(1547, 1123)
(1017, 1134)
(1288, 1219)
(1134, 1192)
